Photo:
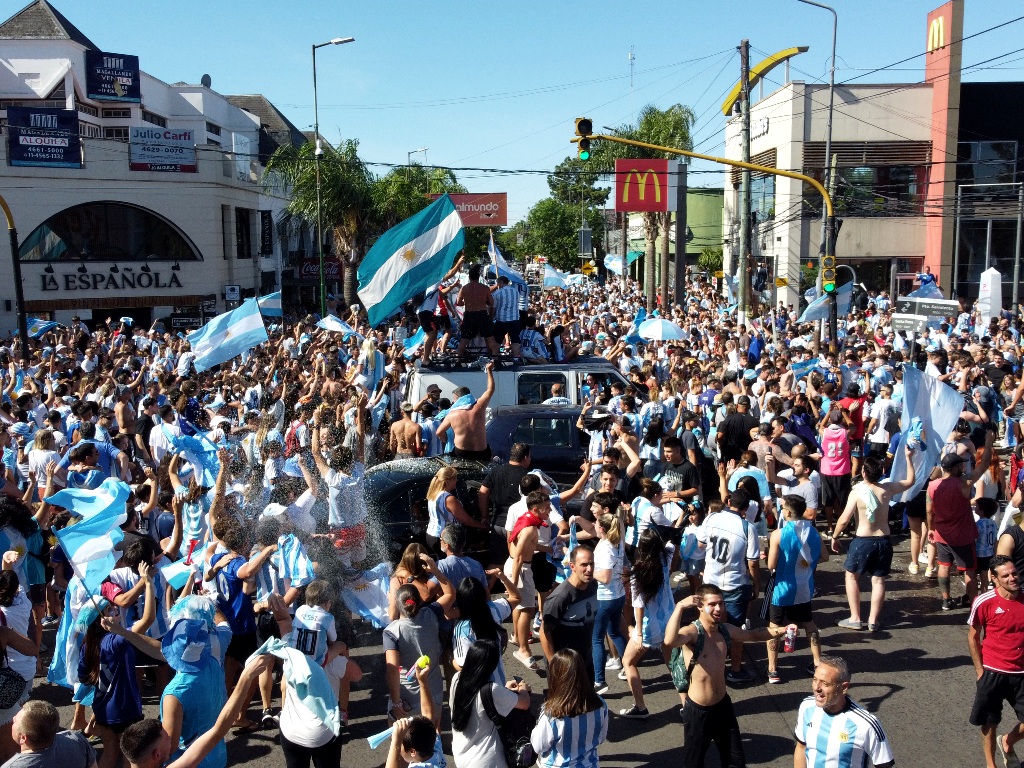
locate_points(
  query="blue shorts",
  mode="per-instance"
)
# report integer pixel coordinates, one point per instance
(736, 603)
(871, 555)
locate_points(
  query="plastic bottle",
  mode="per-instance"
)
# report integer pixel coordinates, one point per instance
(790, 642)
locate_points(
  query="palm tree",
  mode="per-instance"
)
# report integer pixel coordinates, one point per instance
(667, 128)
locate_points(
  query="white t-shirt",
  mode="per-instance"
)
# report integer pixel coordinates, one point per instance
(609, 557)
(17, 617)
(346, 500)
(730, 542)
(880, 411)
(312, 631)
(479, 744)
(300, 726)
(298, 512)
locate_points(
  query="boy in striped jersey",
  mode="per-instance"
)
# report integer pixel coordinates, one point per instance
(833, 730)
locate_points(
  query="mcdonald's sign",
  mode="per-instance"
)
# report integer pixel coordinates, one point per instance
(936, 34)
(642, 185)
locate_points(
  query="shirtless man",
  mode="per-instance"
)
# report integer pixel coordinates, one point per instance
(405, 435)
(708, 714)
(469, 423)
(124, 413)
(870, 551)
(476, 320)
(523, 543)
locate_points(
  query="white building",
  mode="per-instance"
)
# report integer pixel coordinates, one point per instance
(882, 140)
(113, 236)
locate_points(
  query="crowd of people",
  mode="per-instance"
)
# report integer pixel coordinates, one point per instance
(732, 462)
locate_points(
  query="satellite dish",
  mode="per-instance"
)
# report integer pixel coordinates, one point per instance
(206, 81)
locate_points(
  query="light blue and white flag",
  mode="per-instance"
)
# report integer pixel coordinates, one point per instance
(37, 327)
(818, 309)
(410, 258)
(336, 325)
(927, 291)
(85, 503)
(576, 279)
(89, 544)
(500, 265)
(803, 367)
(553, 278)
(938, 407)
(414, 343)
(199, 451)
(633, 334)
(368, 595)
(811, 293)
(228, 335)
(270, 305)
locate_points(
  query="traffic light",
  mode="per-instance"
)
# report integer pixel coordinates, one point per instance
(584, 127)
(828, 274)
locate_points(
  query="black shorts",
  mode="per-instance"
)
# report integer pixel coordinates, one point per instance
(484, 454)
(509, 328)
(543, 572)
(119, 728)
(784, 615)
(477, 323)
(917, 506)
(878, 450)
(704, 725)
(993, 688)
(962, 556)
(834, 490)
(37, 594)
(430, 322)
(871, 555)
(498, 546)
(982, 564)
(242, 647)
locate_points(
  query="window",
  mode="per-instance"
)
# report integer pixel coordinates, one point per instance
(56, 99)
(986, 162)
(153, 119)
(118, 133)
(762, 196)
(869, 191)
(88, 130)
(120, 112)
(85, 109)
(213, 128)
(536, 387)
(107, 231)
(243, 233)
(550, 433)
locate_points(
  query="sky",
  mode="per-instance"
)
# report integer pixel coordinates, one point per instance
(496, 85)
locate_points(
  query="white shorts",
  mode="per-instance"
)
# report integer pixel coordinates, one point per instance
(527, 590)
(335, 670)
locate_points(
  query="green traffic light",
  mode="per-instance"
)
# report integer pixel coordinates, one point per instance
(584, 154)
(829, 287)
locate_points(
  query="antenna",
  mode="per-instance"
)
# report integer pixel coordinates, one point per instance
(632, 60)
(206, 81)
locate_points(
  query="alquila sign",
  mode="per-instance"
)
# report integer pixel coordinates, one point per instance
(109, 281)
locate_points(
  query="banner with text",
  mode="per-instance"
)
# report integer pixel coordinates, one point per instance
(480, 209)
(310, 269)
(43, 137)
(112, 77)
(170, 150)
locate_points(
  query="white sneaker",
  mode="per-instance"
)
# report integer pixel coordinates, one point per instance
(613, 664)
(923, 558)
(913, 569)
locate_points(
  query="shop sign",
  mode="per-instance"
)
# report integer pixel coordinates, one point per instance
(641, 185)
(112, 77)
(43, 137)
(162, 149)
(107, 281)
(310, 269)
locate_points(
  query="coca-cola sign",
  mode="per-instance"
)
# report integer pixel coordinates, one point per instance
(310, 269)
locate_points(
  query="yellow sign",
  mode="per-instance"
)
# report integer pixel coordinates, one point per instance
(781, 282)
(937, 34)
(641, 180)
(588, 270)
(719, 274)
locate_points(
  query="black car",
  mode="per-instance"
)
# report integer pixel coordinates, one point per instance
(396, 496)
(557, 446)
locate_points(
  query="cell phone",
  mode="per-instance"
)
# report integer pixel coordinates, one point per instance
(517, 679)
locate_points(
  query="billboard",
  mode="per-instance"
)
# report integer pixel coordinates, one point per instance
(310, 269)
(480, 209)
(112, 77)
(43, 137)
(171, 150)
(643, 185)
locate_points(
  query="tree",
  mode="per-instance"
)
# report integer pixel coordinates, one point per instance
(552, 231)
(710, 259)
(667, 128)
(574, 182)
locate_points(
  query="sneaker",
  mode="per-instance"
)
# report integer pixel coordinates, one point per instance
(949, 604)
(50, 621)
(635, 712)
(774, 678)
(743, 676)
(269, 720)
(600, 688)
(931, 573)
(613, 664)
(622, 675)
(923, 558)
(913, 569)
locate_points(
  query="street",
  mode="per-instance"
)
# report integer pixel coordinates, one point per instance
(915, 675)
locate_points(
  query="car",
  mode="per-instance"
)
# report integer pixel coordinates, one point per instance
(557, 447)
(396, 496)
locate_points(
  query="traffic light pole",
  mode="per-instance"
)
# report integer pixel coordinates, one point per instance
(743, 262)
(19, 291)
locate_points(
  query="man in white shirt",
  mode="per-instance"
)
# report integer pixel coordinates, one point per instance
(881, 410)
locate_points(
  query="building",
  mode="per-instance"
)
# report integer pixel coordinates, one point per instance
(132, 196)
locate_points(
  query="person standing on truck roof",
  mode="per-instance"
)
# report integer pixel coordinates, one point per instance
(506, 314)
(433, 312)
(468, 420)
(476, 320)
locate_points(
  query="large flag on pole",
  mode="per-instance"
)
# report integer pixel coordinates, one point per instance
(270, 305)
(37, 327)
(501, 266)
(89, 544)
(818, 309)
(410, 258)
(228, 335)
(553, 278)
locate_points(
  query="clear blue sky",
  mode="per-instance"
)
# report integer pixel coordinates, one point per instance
(497, 85)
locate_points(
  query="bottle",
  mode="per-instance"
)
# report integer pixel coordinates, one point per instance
(790, 642)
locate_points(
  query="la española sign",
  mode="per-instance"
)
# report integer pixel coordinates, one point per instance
(119, 281)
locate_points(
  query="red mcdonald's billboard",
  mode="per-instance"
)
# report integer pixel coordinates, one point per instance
(642, 185)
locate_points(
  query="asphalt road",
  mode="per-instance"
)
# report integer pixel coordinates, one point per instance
(915, 675)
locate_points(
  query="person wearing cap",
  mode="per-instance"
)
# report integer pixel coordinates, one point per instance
(951, 521)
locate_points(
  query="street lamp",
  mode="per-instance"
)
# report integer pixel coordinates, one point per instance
(833, 303)
(316, 155)
(408, 160)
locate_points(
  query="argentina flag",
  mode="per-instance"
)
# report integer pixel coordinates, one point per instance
(37, 327)
(335, 325)
(410, 258)
(413, 343)
(199, 452)
(270, 305)
(89, 545)
(818, 309)
(84, 503)
(228, 335)
(500, 265)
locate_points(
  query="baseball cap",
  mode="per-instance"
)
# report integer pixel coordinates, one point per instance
(688, 416)
(433, 388)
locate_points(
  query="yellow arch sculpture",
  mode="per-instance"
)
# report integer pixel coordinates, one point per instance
(761, 70)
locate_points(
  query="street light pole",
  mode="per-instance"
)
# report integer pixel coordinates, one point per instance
(19, 291)
(316, 161)
(826, 229)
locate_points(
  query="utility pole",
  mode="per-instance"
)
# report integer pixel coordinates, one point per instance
(680, 281)
(829, 248)
(743, 299)
(625, 250)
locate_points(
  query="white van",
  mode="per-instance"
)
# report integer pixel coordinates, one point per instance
(514, 383)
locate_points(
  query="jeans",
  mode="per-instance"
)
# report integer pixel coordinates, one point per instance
(607, 622)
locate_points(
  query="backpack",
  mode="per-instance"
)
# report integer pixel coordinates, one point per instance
(514, 730)
(291, 439)
(892, 422)
(680, 672)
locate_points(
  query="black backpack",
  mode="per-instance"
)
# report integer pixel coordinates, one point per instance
(514, 730)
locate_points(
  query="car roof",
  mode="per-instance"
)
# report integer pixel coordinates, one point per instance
(589, 362)
(537, 410)
(404, 469)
